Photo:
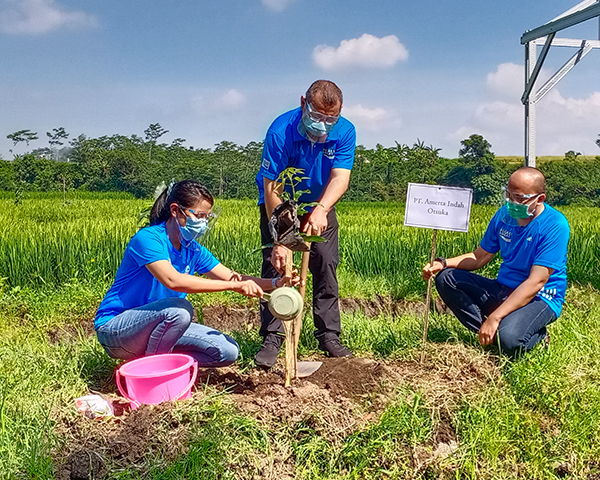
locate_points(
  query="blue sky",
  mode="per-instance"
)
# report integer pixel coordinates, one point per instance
(214, 70)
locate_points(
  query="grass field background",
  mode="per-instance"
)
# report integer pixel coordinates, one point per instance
(540, 418)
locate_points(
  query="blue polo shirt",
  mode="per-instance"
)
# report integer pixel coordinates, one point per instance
(286, 147)
(541, 242)
(135, 286)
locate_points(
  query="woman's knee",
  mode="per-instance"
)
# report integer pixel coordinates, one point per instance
(179, 311)
(230, 351)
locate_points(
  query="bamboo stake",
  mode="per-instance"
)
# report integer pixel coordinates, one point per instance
(290, 334)
(428, 298)
(302, 290)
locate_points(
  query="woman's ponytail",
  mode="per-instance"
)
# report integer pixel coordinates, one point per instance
(185, 193)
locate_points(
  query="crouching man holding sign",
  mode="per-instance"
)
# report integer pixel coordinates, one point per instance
(529, 293)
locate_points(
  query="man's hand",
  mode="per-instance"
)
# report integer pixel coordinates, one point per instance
(431, 269)
(317, 220)
(249, 288)
(279, 257)
(293, 281)
(488, 330)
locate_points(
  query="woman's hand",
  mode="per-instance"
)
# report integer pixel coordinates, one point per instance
(249, 288)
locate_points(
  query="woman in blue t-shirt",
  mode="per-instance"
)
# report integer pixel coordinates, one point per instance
(145, 310)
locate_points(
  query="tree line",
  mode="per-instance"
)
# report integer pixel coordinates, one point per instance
(137, 165)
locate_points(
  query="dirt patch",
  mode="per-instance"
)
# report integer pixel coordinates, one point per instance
(70, 332)
(95, 445)
(340, 398)
(231, 318)
(387, 305)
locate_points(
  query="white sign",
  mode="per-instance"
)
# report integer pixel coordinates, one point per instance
(435, 206)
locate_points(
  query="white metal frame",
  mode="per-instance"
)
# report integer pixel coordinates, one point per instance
(545, 35)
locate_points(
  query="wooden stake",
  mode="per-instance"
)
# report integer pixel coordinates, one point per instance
(290, 333)
(302, 290)
(428, 298)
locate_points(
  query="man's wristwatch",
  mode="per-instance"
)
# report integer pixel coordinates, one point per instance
(442, 260)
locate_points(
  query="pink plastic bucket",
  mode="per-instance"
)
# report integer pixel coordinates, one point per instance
(157, 378)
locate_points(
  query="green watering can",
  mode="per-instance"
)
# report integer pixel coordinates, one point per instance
(285, 303)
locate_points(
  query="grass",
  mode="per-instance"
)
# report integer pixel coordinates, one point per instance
(539, 417)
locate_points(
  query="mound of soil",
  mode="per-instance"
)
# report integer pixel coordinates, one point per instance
(94, 445)
(338, 399)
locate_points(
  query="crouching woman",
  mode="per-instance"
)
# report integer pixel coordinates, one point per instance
(145, 311)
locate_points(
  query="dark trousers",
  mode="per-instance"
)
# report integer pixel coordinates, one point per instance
(323, 262)
(472, 298)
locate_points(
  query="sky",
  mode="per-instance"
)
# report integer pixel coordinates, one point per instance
(223, 70)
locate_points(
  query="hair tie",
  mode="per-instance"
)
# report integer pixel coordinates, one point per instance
(170, 188)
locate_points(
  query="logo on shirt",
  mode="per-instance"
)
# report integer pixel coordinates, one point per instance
(547, 293)
(529, 239)
(266, 163)
(505, 235)
(187, 269)
(329, 153)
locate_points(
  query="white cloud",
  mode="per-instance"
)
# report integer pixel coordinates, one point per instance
(214, 103)
(372, 119)
(36, 17)
(562, 123)
(367, 51)
(277, 5)
(231, 100)
(507, 81)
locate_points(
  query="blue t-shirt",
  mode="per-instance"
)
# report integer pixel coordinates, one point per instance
(286, 147)
(541, 242)
(135, 286)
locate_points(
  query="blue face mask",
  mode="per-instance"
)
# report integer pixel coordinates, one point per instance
(194, 228)
(315, 129)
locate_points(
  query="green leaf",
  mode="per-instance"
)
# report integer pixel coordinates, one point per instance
(312, 238)
(261, 248)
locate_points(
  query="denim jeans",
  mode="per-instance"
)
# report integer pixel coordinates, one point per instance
(166, 326)
(472, 298)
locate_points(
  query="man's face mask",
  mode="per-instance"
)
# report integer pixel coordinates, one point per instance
(316, 124)
(515, 206)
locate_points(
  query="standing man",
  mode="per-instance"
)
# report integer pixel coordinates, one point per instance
(317, 139)
(532, 238)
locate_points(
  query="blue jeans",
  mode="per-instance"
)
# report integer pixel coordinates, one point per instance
(472, 298)
(166, 326)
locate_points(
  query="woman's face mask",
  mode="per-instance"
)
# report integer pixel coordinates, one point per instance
(194, 227)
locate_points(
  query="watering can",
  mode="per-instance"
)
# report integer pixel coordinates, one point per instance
(285, 303)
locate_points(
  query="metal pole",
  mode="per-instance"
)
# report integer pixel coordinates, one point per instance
(530, 60)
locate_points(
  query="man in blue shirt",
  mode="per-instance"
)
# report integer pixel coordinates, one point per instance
(315, 138)
(528, 295)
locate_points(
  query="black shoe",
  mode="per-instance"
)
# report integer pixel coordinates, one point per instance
(334, 348)
(267, 355)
